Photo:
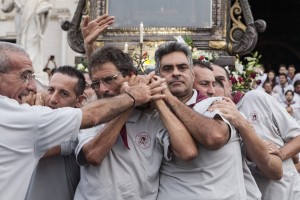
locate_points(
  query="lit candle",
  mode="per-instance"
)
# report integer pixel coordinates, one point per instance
(141, 32)
(156, 45)
(126, 47)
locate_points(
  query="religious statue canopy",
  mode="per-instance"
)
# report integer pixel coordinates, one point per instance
(223, 26)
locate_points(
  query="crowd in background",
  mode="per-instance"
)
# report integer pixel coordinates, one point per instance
(284, 86)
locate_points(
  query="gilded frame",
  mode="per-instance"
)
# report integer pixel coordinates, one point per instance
(201, 36)
(233, 30)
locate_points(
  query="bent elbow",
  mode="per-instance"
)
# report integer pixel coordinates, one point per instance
(192, 154)
(274, 174)
(92, 159)
(214, 143)
(187, 154)
(277, 175)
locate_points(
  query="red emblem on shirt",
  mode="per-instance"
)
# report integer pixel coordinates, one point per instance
(254, 117)
(143, 140)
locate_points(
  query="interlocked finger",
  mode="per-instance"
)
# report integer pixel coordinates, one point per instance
(159, 82)
(132, 81)
(158, 89)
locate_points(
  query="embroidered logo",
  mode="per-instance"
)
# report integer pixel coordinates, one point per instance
(254, 117)
(143, 140)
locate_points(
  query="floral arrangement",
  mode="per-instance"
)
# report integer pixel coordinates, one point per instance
(82, 66)
(205, 56)
(244, 74)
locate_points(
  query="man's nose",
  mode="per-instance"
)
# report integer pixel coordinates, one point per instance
(31, 86)
(211, 90)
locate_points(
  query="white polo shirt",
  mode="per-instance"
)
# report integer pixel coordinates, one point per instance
(212, 175)
(273, 123)
(26, 133)
(126, 174)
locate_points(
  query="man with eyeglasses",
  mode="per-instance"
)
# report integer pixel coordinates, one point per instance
(27, 132)
(57, 170)
(121, 159)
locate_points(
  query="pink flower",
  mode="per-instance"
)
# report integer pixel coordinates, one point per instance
(258, 82)
(201, 58)
(145, 54)
(253, 74)
(241, 79)
(233, 80)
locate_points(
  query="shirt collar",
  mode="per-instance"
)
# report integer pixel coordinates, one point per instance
(193, 99)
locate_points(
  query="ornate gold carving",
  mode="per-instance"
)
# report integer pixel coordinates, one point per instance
(99, 44)
(229, 48)
(87, 8)
(221, 45)
(225, 21)
(236, 10)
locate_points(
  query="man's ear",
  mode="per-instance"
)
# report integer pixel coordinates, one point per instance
(193, 75)
(80, 101)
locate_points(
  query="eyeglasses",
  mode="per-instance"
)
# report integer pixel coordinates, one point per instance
(105, 81)
(26, 77)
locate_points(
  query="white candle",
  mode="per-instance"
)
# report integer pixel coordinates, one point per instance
(126, 47)
(141, 32)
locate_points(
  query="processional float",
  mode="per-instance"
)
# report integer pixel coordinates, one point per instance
(225, 27)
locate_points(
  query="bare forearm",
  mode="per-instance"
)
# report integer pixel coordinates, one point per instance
(103, 110)
(96, 150)
(211, 133)
(89, 50)
(182, 143)
(295, 158)
(269, 165)
(275, 170)
(291, 148)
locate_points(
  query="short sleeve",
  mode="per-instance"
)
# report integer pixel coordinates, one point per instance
(84, 136)
(164, 142)
(55, 127)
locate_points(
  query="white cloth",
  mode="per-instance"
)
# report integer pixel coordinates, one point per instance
(273, 123)
(27, 132)
(54, 178)
(212, 175)
(296, 77)
(125, 174)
